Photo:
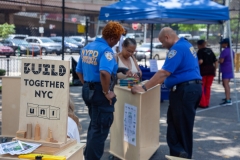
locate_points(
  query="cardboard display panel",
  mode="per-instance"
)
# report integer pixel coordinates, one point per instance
(135, 139)
(10, 105)
(44, 98)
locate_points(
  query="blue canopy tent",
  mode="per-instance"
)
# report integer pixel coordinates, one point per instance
(166, 11)
(169, 11)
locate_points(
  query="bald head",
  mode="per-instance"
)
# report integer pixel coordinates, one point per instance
(167, 31)
(168, 37)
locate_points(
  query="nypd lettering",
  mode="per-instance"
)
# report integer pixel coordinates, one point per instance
(171, 54)
(108, 55)
(89, 57)
(194, 53)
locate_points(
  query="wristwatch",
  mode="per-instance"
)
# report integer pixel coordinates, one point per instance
(144, 87)
(105, 93)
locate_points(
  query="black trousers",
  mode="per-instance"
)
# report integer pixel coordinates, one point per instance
(180, 118)
(101, 116)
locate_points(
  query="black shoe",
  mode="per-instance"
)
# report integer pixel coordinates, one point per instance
(183, 155)
(202, 106)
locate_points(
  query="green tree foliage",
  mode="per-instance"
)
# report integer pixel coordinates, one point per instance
(191, 27)
(6, 29)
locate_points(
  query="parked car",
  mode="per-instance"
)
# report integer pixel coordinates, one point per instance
(47, 45)
(186, 35)
(139, 37)
(21, 47)
(17, 36)
(6, 51)
(79, 39)
(144, 51)
(70, 45)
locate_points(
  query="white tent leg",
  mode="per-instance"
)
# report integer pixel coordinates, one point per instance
(235, 86)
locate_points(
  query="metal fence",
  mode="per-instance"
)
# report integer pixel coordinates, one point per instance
(11, 65)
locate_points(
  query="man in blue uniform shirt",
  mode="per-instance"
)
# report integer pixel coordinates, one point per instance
(181, 74)
(96, 66)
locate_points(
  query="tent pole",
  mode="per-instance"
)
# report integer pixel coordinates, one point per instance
(151, 46)
(220, 50)
(231, 51)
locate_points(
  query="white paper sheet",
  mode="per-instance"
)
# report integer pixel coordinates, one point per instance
(153, 65)
(130, 123)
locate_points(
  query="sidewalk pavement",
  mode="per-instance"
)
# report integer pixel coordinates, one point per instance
(216, 130)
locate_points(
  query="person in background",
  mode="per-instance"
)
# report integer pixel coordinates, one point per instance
(118, 47)
(73, 126)
(226, 68)
(126, 60)
(180, 72)
(208, 64)
(96, 65)
(123, 37)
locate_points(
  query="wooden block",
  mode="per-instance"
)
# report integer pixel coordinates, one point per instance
(21, 134)
(29, 131)
(37, 133)
(174, 158)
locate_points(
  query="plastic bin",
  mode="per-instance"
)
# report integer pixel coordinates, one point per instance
(146, 75)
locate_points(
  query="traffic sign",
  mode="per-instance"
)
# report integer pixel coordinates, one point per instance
(80, 28)
(134, 26)
(41, 30)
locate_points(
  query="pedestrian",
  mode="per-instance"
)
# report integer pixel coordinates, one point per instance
(226, 68)
(181, 74)
(126, 60)
(208, 64)
(118, 47)
(123, 37)
(96, 65)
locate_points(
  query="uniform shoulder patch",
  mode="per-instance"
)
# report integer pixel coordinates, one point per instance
(108, 55)
(171, 54)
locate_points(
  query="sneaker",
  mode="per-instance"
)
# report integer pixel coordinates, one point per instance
(224, 99)
(226, 103)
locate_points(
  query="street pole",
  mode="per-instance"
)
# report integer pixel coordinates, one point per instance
(63, 27)
(145, 32)
(208, 26)
(151, 46)
(238, 28)
(86, 30)
(42, 17)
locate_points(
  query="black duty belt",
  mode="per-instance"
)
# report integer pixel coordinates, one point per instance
(186, 83)
(92, 82)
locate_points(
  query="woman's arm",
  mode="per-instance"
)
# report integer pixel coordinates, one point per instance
(136, 64)
(221, 60)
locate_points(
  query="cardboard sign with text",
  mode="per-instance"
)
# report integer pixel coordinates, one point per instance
(44, 97)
